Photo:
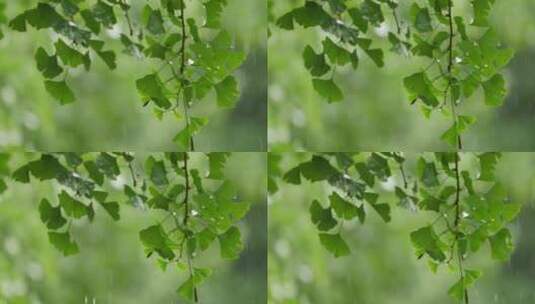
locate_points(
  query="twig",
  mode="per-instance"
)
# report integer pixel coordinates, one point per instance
(182, 68)
(457, 222)
(450, 67)
(185, 224)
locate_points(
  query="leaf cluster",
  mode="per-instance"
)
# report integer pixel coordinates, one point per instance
(467, 208)
(192, 56)
(195, 209)
(463, 56)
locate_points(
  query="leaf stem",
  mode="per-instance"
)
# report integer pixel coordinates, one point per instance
(396, 19)
(404, 176)
(133, 174)
(185, 224)
(182, 68)
(186, 192)
(125, 7)
(450, 68)
(457, 222)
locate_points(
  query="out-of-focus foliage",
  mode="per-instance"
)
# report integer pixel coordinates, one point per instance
(382, 258)
(108, 113)
(375, 103)
(112, 265)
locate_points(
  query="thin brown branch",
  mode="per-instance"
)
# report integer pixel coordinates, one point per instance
(458, 215)
(450, 68)
(185, 222)
(182, 68)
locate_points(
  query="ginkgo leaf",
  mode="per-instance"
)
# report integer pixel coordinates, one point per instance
(214, 8)
(217, 162)
(43, 16)
(312, 14)
(343, 208)
(22, 174)
(19, 22)
(156, 170)
(107, 56)
(321, 217)
(336, 54)
(457, 291)
(227, 92)
(425, 240)
(286, 21)
(187, 289)
(421, 18)
(94, 173)
(51, 216)
(103, 13)
(107, 164)
(293, 176)
(335, 244)
(428, 173)
(328, 89)
(68, 55)
(151, 88)
(90, 21)
(358, 19)
(315, 63)
(63, 242)
(205, 238)
(488, 163)
(47, 65)
(494, 89)
(230, 243)
(60, 91)
(372, 12)
(461, 27)
(154, 23)
(154, 238)
(112, 208)
(379, 166)
(317, 169)
(183, 137)
(501, 245)
(365, 173)
(383, 210)
(69, 8)
(71, 206)
(481, 12)
(420, 87)
(451, 136)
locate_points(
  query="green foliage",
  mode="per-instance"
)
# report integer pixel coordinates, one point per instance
(60, 91)
(63, 242)
(467, 209)
(194, 59)
(461, 60)
(195, 208)
(230, 243)
(335, 244)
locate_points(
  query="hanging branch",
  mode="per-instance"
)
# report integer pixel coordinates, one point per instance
(182, 69)
(457, 222)
(185, 224)
(449, 87)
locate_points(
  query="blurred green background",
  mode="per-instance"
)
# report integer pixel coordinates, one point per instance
(111, 267)
(108, 113)
(376, 115)
(382, 267)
